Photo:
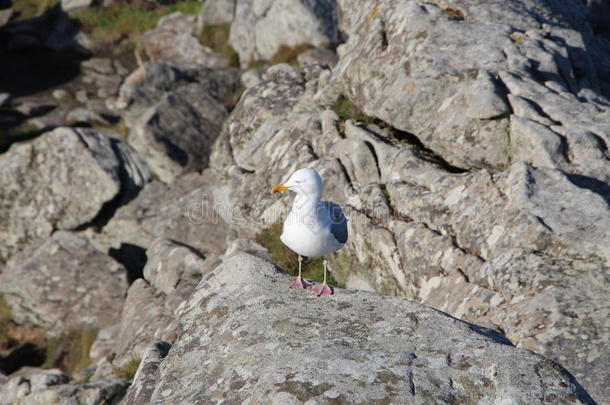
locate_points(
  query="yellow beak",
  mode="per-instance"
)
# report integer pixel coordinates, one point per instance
(279, 187)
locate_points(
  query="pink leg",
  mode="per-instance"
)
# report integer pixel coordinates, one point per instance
(323, 289)
(300, 282)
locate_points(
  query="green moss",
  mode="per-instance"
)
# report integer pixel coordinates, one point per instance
(70, 352)
(216, 37)
(345, 109)
(30, 8)
(6, 316)
(286, 54)
(129, 370)
(120, 27)
(288, 260)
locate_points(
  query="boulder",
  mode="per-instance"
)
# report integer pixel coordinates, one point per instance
(41, 387)
(419, 225)
(216, 12)
(145, 379)
(246, 337)
(173, 42)
(149, 314)
(175, 115)
(64, 284)
(68, 5)
(63, 180)
(260, 28)
(527, 92)
(194, 211)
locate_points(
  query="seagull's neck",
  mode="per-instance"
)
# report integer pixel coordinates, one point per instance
(307, 205)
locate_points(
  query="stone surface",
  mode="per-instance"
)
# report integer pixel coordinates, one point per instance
(469, 106)
(216, 12)
(41, 192)
(42, 387)
(419, 225)
(172, 271)
(175, 115)
(194, 210)
(141, 389)
(64, 284)
(173, 42)
(68, 5)
(324, 57)
(261, 27)
(255, 340)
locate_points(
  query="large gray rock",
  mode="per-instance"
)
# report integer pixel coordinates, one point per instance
(173, 42)
(149, 313)
(146, 377)
(425, 230)
(216, 12)
(261, 27)
(194, 210)
(522, 88)
(43, 387)
(64, 284)
(246, 337)
(175, 115)
(62, 180)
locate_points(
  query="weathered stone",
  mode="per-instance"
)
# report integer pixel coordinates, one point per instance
(317, 56)
(455, 102)
(194, 210)
(41, 192)
(175, 115)
(42, 387)
(173, 43)
(141, 389)
(417, 224)
(64, 284)
(261, 27)
(68, 5)
(171, 273)
(292, 347)
(216, 12)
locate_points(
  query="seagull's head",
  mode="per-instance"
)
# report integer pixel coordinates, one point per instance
(304, 182)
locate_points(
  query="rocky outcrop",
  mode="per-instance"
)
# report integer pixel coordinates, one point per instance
(256, 340)
(420, 225)
(42, 193)
(173, 43)
(175, 115)
(528, 92)
(64, 284)
(171, 274)
(194, 210)
(41, 387)
(261, 28)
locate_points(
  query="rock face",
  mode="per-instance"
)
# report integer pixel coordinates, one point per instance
(445, 236)
(260, 28)
(254, 339)
(175, 115)
(64, 284)
(171, 274)
(528, 92)
(42, 192)
(174, 44)
(40, 387)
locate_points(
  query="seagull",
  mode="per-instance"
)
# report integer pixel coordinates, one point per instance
(313, 228)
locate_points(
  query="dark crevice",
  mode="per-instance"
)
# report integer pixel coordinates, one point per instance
(372, 149)
(25, 355)
(189, 247)
(132, 257)
(426, 153)
(384, 37)
(592, 184)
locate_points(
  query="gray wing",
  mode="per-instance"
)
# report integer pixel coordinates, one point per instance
(338, 222)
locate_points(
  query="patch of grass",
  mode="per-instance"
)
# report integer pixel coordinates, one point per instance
(286, 54)
(70, 353)
(288, 260)
(216, 37)
(30, 8)
(345, 109)
(120, 27)
(129, 370)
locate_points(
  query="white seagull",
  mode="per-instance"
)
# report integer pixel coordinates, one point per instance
(313, 228)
